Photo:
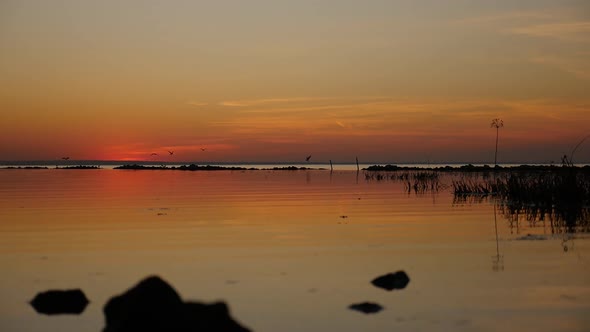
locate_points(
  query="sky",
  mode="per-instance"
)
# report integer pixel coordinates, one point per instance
(276, 81)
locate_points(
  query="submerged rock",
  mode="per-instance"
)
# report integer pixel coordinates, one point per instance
(366, 307)
(153, 305)
(391, 281)
(54, 302)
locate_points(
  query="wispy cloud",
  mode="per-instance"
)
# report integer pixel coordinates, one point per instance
(312, 108)
(232, 104)
(405, 124)
(341, 124)
(508, 17)
(561, 37)
(566, 31)
(257, 102)
(398, 117)
(559, 24)
(295, 101)
(578, 66)
(197, 103)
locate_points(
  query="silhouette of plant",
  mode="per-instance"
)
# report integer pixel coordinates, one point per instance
(497, 123)
(571, 159)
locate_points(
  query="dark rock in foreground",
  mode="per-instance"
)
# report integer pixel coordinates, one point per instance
(366, 307)
(391, 281)
(56, 302)
(153, 305)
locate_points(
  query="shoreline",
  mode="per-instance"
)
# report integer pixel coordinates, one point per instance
(373, 168)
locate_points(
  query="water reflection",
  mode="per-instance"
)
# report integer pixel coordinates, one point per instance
(418, 182)
(282, 237)
(564, 218)
(497, 260)
(555, 201)
(567, 242)
(558, 199)
(459, 199)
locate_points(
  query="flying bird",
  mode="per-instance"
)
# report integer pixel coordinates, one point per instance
(170, 152)
(153, 154)
(308, 158)
(203, 149)
(65, 158)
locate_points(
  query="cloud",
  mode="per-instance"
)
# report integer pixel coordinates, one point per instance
(311, 108)
(507, 17)
(257, 102)
(232, 104)
(578, 66)
(403, 117)
(561, 37)
(341, 124)
(196, 103)
(557, 23)
(576, 63)
(566, 31)
(267, 102)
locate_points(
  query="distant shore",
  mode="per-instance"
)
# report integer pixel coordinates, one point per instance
(372, 168)
(194, 167)
(473, 168)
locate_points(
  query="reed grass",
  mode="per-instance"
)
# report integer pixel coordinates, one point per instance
(414, 181)
(561, 196)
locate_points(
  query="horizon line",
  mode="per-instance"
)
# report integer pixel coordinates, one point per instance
(113, 161)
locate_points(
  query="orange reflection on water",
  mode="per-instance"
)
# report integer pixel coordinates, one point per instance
(270, 240)
(223, 208)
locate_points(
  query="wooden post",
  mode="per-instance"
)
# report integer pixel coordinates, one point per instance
(357, 164)
(331, 168)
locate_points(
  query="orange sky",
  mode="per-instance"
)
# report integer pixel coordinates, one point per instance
(388, 81)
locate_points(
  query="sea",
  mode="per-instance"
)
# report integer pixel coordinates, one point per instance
(287, 251)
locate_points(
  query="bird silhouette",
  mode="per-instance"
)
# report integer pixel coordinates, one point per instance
(170, 152)
(153, 154)
(308, 158)
(203, 149)
(65, 158)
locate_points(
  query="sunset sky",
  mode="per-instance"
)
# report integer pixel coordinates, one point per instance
(277, 80)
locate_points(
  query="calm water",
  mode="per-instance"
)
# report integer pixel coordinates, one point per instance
(288, 251)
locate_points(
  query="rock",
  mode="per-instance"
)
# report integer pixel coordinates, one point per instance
(211, 317)
(149, 304)
(54, 302)
(366, 307)
(153, 305)
(391, 281)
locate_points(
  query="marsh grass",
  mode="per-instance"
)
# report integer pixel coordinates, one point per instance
(419, 182)
(473, 186)
(531, 193)
(560, 196)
